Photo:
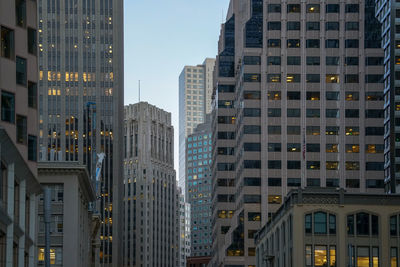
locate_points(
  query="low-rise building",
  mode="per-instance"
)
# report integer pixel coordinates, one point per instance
(328, 227)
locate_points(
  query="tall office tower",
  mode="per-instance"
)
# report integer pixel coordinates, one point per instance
(298, 103)
(81, 99)
(388, 12)
(18, 133)
(198, 184)
(184, 229)
(195, 91)
(151, 198)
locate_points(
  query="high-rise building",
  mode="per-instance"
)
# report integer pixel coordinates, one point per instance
(387, 12)
(19, 186)
(298, 103)
(151, 198)
(184, 229)
(195, 91)
(198, 185)
(81, 99)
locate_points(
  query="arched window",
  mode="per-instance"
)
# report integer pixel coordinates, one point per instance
(320, 223)
(323, 222)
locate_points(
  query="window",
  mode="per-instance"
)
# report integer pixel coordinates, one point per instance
(332, 61)
(274, 199)
(352, 131)
(332, 113)
(225, 88)
(7, 43)
(274, 147)
(332, 43)
(312, 113)
(274, 95)
(312, 43)
(274, 25)
(352, 26)
(252, 199)
(332, 165)
(274, 164)
(251, 60)
(293, 95)
(251, 77)
(332, 182)
(312, 26)
(393, 225)
(351, 43)
(252, 181)
(254, 216)
(293, 182)
(293, 112)
(320, 223)
(374, 148)
(352, 8)
(313, 96)
(293, 165)
(32, 48)
(274, 112)
(22, 129)
(351, 61)
(293, 60)
(252, 129)
(32, 95)
(7, 107)
(362, 223)
(252, 164)
(363, 257)
(332, 148)
(374, 96)
(252, 112)
(352, 148)
(332, 130)
(293, 25)
(20, 13)
(274, 60)
(274, 78)
(313, 130)
(313, 61)
(374, 166)
(308, 223)
(313, 165)
(252, 95)
(332, 78)
(274, 8)
(374, 78)
(274, 43)
(352, 183)
(274, 129)
(370, 131)
(351, 78)
(331, 26)
(293, 130)
(312, 78)
(393, 257)
(352, 96)
(252, 146)
(352, 113)
(293, 43)
(32, 148)
(374, 183)
(293, 8)
(274, 181)
(374, 61)
(332, 8)
(20, 65)
(312, 8)
(293, 147)
(352, 165)
(313, 182)
(293, 78)
(374, 113)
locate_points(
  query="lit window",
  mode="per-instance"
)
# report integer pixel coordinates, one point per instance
(274, 199)
(363, 257)
(352, 131)
(320, 256)
(332, 78)
(332, 148)
(332, 165)
(352, 165)
(351, 148)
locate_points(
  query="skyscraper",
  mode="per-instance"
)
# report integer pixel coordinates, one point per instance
(151, 199)
(184, 230)
(298, 103)
(195, 90)
(387, 12)
(19, 186)
(81, 99)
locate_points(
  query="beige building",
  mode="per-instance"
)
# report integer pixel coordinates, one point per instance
(74, 226)
(330, 227)
(18, 133)
(298, 102)
(151, 228)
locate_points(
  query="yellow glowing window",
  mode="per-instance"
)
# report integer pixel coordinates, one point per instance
(320, 256)
(49, 75)
(312, 8)
(289, 79)
(352, 148)
(332, 165)
(332, 256)
(332, 78)
(397, 106)
(397, 60)
(58, 76)
(332, 148)
(41, 254)
(352, 131)
(67, 76)
(41, 75)
(76, 76)
(352, 165)
(274, 199)
(393, 257)
(363, 257)
(274, 95)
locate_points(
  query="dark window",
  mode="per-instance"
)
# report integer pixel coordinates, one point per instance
(252, 95)
(352, 113)
(374, 166)
(7, 107)
(374, 96)
(293, 25)
(353, 183)
(393, 225)
(32, 48)
(362, 224)
(7, 43)
(251, 60)
(332, 224)
(313, 130)
(226, 151)
(20, 65)
(274, 25)
(375, 183)
(293, 147)
(352, 26)
(350, 224)
(293, 8)
(332, 8)
(274, 112)
(313, 182)
(332, 61)
(374, 61)
(252, 129)
(313, 165)
(351, 43)
(351, 61)
(292, 60)
(225, 88)
(369, 131)
(225, 167)
(312, 43)
(313, 113)
(32, 148)
(252, 199)
(320, 222)
(293, 112)
(374, 113)
(332, 182)
(274, 129)
(330, 95)
(374, 78)
(374, 225)
(332, 43)
(294, 164)
(252, 164)
(32, 95)
(20, 12)
(332, 113)
(293, 95)
(352, 8)
(313, 61)
(252, 181)
(274, 182)
(252, 77)
(254, 216)
(308, 223)
(313, 147)
(274, 60)
(252, 147)
(226, 135)
(274, 164)
(252, 112)
(274, 147)
(351, 78)
(274, 43)
(293, 43)
(22, 133)
(312, 26)
(274, 8)
(293, 182)
(332, 26)
(312, 78)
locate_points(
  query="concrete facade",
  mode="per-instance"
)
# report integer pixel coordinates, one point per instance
(151, 199)
(81, 99)
(296, 104)
(317, 227)
(74, 229)
(18, 133)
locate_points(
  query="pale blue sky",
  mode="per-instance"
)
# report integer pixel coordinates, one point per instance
(161, 37)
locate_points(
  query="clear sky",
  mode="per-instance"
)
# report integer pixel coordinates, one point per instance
(161, 37)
